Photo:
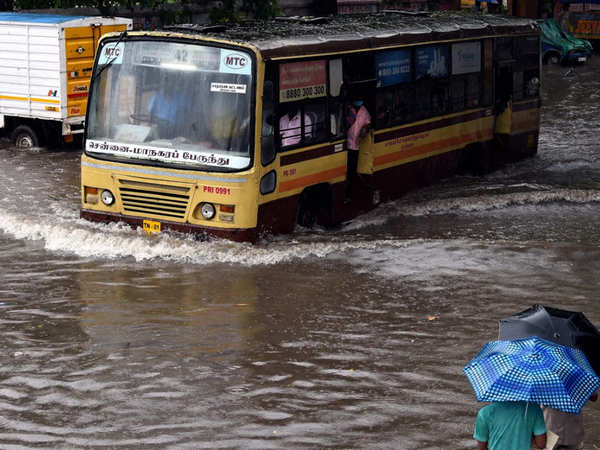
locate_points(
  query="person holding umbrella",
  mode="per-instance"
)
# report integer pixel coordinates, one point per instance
(520, 375)
(510, 425)
(569, 328)
(568, 427)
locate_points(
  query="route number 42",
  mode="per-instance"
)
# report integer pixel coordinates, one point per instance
(181, 55)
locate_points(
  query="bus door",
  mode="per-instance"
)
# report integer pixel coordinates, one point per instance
(360, 82)
(503, 85)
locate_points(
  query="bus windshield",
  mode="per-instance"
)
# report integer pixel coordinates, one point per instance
(170, 103)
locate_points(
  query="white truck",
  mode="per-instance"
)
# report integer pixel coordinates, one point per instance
(46, 62)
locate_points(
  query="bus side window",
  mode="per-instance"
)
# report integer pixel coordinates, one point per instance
(465, 92)
(503, 80)
(396, 105)
(335, 77)
(504, 49)
(267, 113)
(384, 106)
(432, 75)
(359, 70)
(336, 94)
(267, 154)
(531, 83)
(405, 103)
(440, 98)
(517, 91)
(317, 113)
(423, 89)
(336, 116)
(473, 91)
(457, 93)
(488, 73)
(303, 123)
(518, 85)
(528, 60)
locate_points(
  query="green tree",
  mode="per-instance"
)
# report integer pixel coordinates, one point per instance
(232, 10)
(226, 14)
(259, 9)
(262, 9)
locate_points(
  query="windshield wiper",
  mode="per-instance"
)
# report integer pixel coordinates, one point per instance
(111, 61)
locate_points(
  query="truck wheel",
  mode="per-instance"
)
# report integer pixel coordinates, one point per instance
(24, 137)
(551, 58)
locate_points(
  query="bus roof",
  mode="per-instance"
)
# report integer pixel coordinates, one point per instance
(287, 37)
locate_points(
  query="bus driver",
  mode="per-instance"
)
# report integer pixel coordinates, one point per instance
(169, 110)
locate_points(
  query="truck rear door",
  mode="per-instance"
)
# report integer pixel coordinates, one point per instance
(80, 48)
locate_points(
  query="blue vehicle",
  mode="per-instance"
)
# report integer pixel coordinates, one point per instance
(561, 47)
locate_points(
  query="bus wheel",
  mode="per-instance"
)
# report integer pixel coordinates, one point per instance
(314, 206)
(306, 215)
(24, 136)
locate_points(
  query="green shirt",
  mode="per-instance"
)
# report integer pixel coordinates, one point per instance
(509, 425)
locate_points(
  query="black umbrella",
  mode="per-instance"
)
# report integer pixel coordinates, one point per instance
(564, 327)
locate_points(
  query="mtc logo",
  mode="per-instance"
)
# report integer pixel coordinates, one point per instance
(235, 61)
(112, 52)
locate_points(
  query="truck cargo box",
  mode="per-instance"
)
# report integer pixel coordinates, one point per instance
(45, 67)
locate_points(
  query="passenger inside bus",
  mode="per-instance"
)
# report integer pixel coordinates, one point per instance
(290, 125)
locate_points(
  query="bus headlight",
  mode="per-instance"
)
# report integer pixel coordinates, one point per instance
(207, 210)
(107, 197)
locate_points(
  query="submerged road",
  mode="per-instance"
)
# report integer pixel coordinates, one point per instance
(349, 339)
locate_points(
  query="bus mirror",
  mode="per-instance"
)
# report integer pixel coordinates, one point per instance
(268, 93)
(267, 153)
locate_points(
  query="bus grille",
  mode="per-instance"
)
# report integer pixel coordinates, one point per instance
(140, 199)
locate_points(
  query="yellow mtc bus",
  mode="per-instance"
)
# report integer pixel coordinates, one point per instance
(240, 131)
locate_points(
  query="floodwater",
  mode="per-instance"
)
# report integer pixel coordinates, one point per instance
(353, 338)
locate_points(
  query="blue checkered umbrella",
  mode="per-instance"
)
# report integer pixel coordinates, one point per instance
(533, 370)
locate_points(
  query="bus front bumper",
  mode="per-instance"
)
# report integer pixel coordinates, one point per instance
(203, 232)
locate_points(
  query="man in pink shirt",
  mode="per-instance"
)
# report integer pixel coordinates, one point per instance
(358, 121)
(290, 127)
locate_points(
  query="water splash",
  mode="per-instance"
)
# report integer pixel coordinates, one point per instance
(70, 235)
(471, 203)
